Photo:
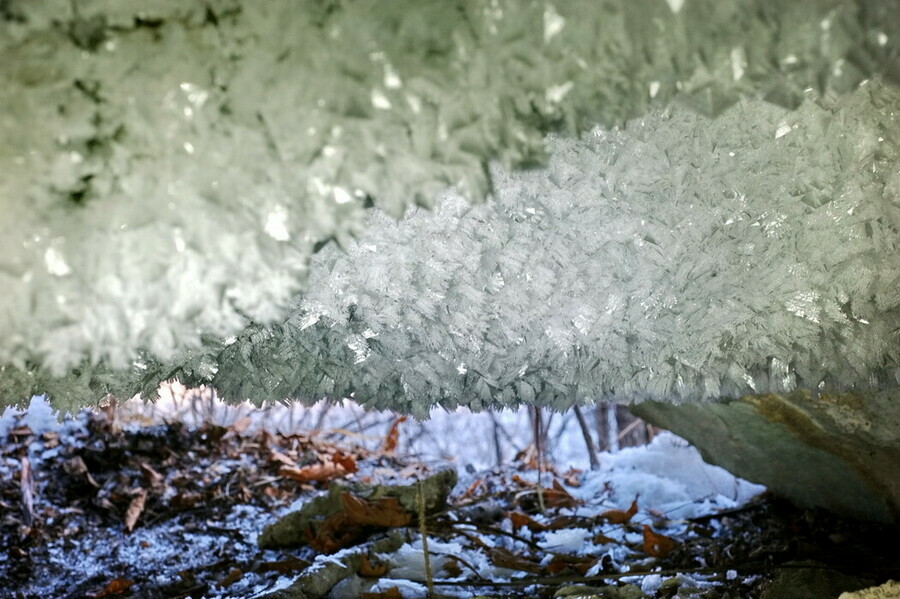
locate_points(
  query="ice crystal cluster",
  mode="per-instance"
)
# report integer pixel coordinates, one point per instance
(168, 169)
(675, 258)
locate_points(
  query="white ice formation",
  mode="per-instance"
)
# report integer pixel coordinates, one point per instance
(168, 169)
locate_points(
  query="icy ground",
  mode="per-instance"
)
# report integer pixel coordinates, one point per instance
(668, 479)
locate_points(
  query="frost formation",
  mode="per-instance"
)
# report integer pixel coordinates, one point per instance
(168, 169)
(675, 258)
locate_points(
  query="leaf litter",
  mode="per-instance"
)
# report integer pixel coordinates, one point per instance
(101, 506)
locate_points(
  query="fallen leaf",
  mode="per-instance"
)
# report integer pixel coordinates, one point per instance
(571, 477)
(578, 564)
(620, 516)
(657, 545)
(470, 492)
(241, 424)
(519, 520)
(329, 468)
(344, 527)
(20, 431)
(504, 558)
(280, 458)
(135, 509)
(26, 490)
(559, 497)
(78, 469)
(384, 513)
(391, 593)
(368, 569)
(390, 441)
(151, 476)
(235, 575)
(112, 588)
(602, 539)
(286, 566)
(345, 461)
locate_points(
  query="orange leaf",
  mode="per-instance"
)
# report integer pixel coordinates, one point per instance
(235, 575)
(367, 569)
(470, 492)
(519, 520)
(559, 497)
(602, 539)
(329, 468)
(345, 461)
(390, 441)
(620, 516)
(657, 545)
(579, 564)
(286, 566)
(571, 477)
(385, 513)
(117, 586)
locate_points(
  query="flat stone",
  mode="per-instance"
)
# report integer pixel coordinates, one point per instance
(836, 451)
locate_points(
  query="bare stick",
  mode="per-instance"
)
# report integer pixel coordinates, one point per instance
(423, 530)
(588, 439)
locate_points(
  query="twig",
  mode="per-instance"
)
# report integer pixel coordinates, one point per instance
(588, 439)
(496, 429)
(633, 425)
(423, 530)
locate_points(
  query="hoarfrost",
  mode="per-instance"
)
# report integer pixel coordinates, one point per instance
(168, 171)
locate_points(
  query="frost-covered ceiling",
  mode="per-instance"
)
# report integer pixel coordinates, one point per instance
(169, 169)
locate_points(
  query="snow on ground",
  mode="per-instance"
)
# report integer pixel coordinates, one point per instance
(667, 477)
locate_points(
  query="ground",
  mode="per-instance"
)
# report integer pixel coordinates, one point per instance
(126, 502)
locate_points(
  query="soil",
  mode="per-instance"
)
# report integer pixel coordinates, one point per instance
(101, 508)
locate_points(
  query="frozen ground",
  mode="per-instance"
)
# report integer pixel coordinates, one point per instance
(667, 477)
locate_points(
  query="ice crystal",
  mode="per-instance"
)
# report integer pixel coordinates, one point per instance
(169, 168)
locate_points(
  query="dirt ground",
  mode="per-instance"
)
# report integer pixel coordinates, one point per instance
(105, 509)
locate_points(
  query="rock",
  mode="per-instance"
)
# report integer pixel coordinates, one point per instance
(628, 591)
(889, 590)
(305, 526)
(807, 581)
(836, 451)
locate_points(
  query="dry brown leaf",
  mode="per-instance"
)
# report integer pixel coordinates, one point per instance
(151, 476)
(286, 566)
(470, 492)
(571, 477)
(580, 565)
(620, 516)
(370, 569)
(657, 545)
(26, 491)
(113, 587)
(559, 497)
(20, 431)
(393, 436)
(280, 458)
(384, 513)
(78, 469)
(135, 509)
(235, 575)
(345, 461)
(241, 424)
(504, 558)
(519, 520)
(602, 539)
(331, 467)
